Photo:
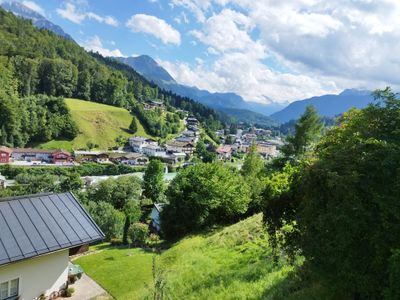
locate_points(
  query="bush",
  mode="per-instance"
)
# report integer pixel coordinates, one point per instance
(138, 233)
(69, 292)
(153, 240)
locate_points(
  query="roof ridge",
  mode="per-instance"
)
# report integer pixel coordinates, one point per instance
(26, 196)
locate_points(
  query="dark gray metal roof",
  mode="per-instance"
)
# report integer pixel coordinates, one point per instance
(39, 224)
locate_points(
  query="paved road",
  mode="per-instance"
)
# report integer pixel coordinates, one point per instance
(86, 288)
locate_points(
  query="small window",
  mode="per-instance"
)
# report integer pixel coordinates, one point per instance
(9, 289)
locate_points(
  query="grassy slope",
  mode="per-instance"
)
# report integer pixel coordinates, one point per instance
(232, 263)
(98, 123)
(124, 273)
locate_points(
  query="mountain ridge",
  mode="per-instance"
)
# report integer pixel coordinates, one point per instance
(230, 103)
(37, 19)
(329, 105)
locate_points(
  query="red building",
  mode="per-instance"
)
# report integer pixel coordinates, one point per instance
(5, 154)
(61, 156)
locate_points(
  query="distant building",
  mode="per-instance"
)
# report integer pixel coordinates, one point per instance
(155, 216)
(133, 159)
(30, 155)
(191, 121)
(138, 142)
(5, 155)
(224, 152)
(267, 149)
(153, 150)
(183, 147)
(38, 233)
(92, 156)
(152, 104)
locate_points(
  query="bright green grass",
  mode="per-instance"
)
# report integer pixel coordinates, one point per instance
(98, 123)
(122, 272)
(231, 263)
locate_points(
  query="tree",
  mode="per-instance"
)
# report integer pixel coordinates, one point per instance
(153, 181)
(109, 219)
(72, 182)
(344, 204)
(138, 233)
(253, 170)
(307, 131)
(124, 194)
(133, 126)
(204, 195)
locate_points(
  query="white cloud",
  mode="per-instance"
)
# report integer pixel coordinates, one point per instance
(96, 45)
(71, 13)
(154, 26)
(34, 6)
(333, 45)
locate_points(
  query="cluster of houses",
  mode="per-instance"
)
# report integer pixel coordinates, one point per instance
(174, 151)
(241, 142)
(8, 155)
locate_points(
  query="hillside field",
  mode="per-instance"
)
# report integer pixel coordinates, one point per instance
(230, 263)
(98, 123)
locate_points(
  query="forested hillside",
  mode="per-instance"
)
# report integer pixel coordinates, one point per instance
(38, 62)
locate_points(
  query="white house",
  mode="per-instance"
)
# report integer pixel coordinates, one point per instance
(138, 142)
(155, 216)
(37, 234)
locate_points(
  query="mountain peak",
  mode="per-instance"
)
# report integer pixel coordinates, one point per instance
(39, 21)
(355, 92)
(148, 67)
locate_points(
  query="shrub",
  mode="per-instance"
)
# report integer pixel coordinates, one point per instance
(138, 233)
(69, 292)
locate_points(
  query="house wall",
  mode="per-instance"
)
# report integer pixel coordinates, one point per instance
(155, 218)
(43, 274)
(4, 157)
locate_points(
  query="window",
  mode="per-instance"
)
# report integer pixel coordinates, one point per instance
(9, 289)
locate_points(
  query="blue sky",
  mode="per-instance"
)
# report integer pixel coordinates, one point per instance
(264, 50)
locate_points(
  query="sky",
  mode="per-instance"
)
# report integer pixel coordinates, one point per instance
(264, 50)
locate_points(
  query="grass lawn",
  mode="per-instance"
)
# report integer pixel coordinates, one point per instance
(234, 262)
(98, 123)
(123, 272)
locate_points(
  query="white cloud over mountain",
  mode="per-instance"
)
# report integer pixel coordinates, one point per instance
(293, 49)
(95, 44)
(70, 12)
(154, 26)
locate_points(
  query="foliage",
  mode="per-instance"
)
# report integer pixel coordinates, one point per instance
(345, 200)
(206, 155)
(204, 195)
(253, 170)
(73, 182)
(138, 233)
(133, 127)
(86, 169)
(153, 181)
(123, 194)
(109, 219)
(307, 130)
(34, 61)
(230, 263)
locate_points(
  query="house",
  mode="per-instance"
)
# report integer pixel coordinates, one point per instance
(137, 159)
(152, 104)
(48, 156)
(138, 142)
(153, 150)
(224, 152)
(5, 155)
(267, 149)
(191, 121)
(92, 156)
(37, 234)
(155, 216)
(183, 147)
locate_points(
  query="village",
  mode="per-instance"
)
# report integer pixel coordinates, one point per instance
(140, 150)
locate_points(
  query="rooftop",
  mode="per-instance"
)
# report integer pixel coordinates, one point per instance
(39, 224)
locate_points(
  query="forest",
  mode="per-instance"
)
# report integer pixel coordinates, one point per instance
(38, 62)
